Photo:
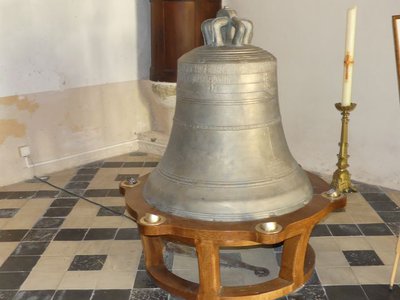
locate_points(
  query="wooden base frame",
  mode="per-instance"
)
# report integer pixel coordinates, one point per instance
(208, 237)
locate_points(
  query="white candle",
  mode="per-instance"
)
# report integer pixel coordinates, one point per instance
(349, 55)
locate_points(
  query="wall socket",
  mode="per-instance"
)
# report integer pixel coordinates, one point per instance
(24, 151)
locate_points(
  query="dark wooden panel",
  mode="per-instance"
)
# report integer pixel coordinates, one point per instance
(179, 27)
(175, 30)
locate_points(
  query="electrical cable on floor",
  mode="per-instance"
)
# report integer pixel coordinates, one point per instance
(84, 198)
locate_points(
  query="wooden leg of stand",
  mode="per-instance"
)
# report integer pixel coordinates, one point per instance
(153, 249)
(396, 263)
(209, 271)
(293, 257)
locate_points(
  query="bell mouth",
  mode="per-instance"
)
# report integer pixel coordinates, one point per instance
(228, 204)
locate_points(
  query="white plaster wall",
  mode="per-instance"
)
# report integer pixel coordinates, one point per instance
(60, 44)
(71, 81)
(71, 127)
(307, 37)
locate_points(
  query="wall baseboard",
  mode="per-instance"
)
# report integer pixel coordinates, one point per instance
(150, 142)
(71, 161)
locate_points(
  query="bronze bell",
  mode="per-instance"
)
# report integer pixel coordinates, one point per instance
(227, 158)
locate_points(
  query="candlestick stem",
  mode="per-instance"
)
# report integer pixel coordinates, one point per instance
(341, 181)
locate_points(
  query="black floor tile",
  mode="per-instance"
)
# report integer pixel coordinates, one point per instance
(40, 235)
(133, 164)
(96, 193)
(101, 234)
(345, 292)
(95, 164)
(367, 188)
(87, 177)
(49, 223)
(376, 197)
(362, 258)
(381, 292)
(142, 263)
(394, 227)
(149, 294)
(4, 195)
(314, 280)
(87, 171)
(116, 211)
(111, 295)
(375, 229)
(112, 164)
(77, 185)
(71, 234)
(344, 229)
(143, 281)
(33, 295)
(127, 234)
(87, 263)
(121, 177)
(384, 205)
(21, 195)
(12, 235)
(64, 202)
(321, 230)
(114, 193)
(150, 164)
(314, 292)
(47, 194)
(73, 295)
(7, 295)
(30, 248)
(57, 212)
(19, 263)
(72, 193)
(8, 212)
(12, 280)
(389, 216)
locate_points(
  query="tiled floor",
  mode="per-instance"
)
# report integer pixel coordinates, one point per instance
(57, 246)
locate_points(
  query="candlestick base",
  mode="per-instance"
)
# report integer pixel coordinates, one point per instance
(341, 181)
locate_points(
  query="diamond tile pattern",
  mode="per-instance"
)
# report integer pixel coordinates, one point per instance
(56, 246)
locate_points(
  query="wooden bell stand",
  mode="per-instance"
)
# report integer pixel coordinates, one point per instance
(207, 237)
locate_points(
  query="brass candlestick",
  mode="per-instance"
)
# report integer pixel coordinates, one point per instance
(341, 182)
